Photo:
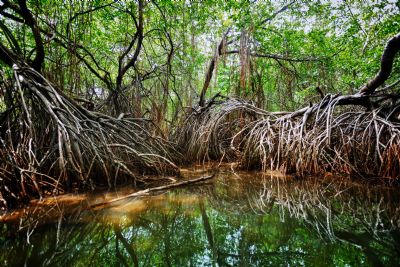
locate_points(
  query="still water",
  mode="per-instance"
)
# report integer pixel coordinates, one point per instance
(236, 219)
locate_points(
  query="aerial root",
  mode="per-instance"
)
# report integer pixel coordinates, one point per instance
(206, 133)
(50, 144)
(325, 138)
(337, 135)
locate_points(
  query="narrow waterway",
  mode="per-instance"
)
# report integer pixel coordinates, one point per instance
(236, 219)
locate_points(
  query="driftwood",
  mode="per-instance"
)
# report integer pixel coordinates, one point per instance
(147, 191)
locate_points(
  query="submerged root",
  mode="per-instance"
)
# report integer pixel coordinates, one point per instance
(49, 144)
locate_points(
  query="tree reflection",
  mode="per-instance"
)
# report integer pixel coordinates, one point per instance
(250, 221)
(341, 211)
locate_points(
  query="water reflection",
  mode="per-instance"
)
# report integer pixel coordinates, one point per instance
(238, 220)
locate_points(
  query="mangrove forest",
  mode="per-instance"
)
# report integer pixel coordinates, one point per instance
(199, 133)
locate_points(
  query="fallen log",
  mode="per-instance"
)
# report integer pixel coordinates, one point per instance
(147, 191)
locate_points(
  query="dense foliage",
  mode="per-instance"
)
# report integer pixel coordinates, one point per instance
(149, 58)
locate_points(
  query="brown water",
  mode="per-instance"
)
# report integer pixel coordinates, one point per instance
(237, 219)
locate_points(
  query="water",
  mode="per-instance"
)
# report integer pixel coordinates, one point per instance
(237, 219)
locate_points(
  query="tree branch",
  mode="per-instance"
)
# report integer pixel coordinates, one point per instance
(278, 57)
(11, 16)
(391, 49)
(83, 13)
(7, 56)
(132, 61)
(32, 23)
(211, 67)
(10, 38)
(277, 12)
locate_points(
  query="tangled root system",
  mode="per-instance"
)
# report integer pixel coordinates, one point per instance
(327, 138)
(48, 143)
(207, 132)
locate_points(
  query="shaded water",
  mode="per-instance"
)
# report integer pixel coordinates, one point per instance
(241, 219)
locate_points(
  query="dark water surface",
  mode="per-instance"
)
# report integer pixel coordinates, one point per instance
(237, 219)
